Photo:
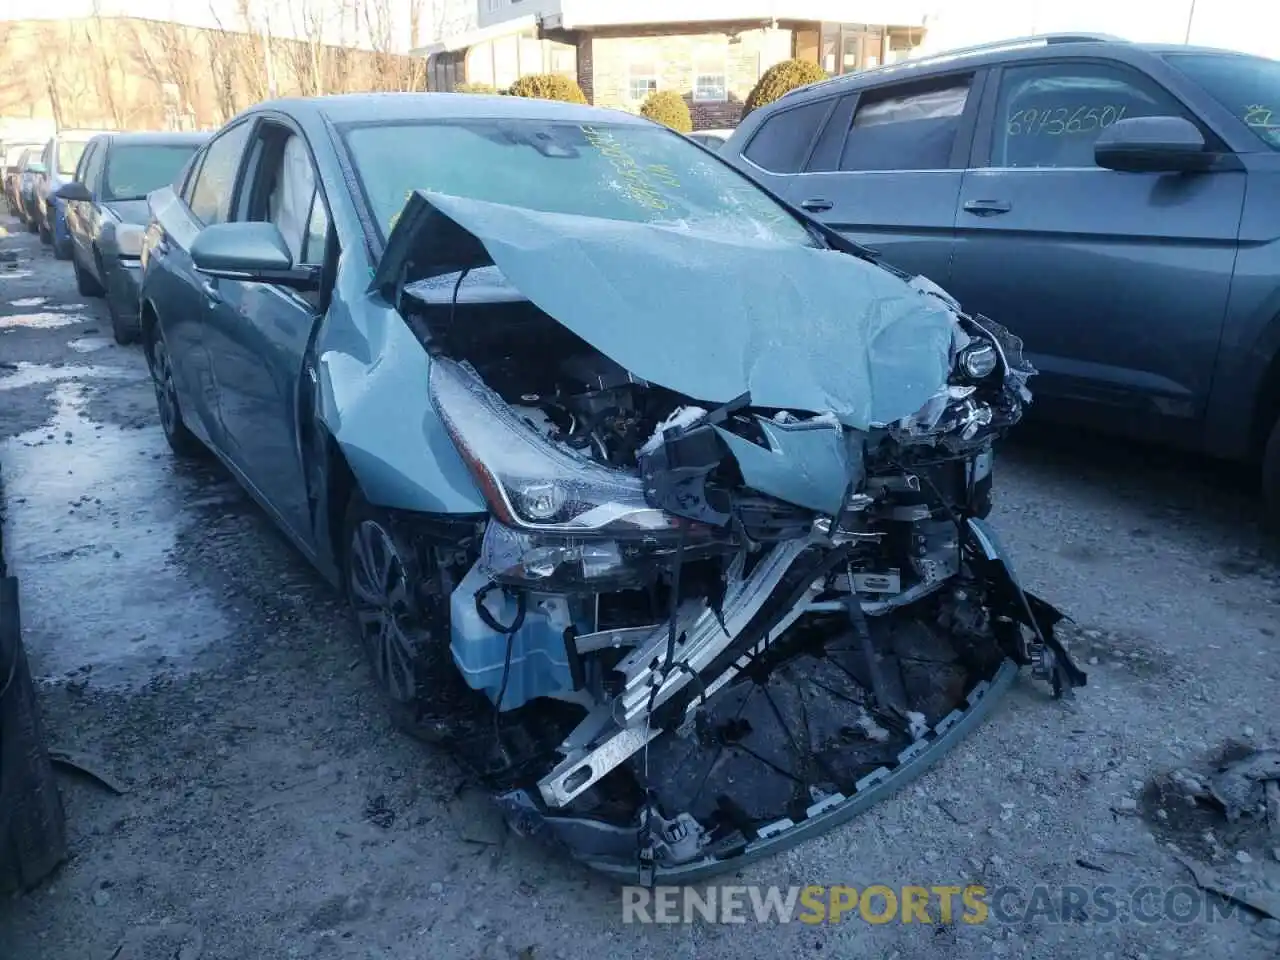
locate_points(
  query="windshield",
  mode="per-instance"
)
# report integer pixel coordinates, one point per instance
(69, 154)
(13, 152)
(1247, 86)
(615, 172)
(134, 171)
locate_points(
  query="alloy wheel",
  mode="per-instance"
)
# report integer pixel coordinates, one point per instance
(380, 598)
(166, 390)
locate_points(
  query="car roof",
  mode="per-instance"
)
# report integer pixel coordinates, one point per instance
(74, 136)
(356, 107)
(155, 137)
(987, 54)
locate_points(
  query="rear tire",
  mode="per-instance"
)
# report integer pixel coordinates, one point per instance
(182, 441)
(1271, 477)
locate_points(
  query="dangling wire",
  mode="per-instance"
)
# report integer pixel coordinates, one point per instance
(645, 831)
(510, 632)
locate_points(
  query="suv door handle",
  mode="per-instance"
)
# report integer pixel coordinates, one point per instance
(211, 292)
(987, 208)
(817, 205)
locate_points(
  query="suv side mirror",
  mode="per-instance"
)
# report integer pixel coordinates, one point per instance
(73, 190)
(1152, 145)
(250, 251)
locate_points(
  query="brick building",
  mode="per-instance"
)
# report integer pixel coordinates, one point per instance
(711, 52)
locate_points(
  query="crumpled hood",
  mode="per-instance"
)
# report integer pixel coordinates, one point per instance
(707, 315)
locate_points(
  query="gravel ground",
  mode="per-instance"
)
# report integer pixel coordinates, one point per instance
(270, 811)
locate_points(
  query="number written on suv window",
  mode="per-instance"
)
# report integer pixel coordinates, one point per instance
(1050, 115)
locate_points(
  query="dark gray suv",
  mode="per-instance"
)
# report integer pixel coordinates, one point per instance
(1116, 205)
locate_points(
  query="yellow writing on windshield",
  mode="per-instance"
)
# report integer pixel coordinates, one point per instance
(639, 184)
(1063, 121)
(1259, 115)
(395, 218)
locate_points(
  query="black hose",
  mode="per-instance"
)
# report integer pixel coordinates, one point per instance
(510, 633)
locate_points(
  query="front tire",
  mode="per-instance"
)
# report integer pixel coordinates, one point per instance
(86, 283)
(402, 628)
(122, 334)
(182, 441)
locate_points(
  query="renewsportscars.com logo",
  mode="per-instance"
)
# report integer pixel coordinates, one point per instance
(934, 904)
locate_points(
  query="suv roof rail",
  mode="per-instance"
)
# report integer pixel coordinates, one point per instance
(1047, 39)
(991, 46)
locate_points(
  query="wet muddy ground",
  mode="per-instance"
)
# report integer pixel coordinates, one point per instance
(270, 811)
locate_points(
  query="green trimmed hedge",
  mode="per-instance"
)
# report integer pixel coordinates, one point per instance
(668, 107)
(548, 86)
(780, 78)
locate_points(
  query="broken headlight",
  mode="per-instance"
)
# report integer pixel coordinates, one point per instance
(978, 360)
(528, 481)
(601, 564)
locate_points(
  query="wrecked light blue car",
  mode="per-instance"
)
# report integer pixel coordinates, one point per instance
(656, 502)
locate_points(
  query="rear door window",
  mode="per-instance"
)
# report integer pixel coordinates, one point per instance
(783, 140)
(907, 127)
(1051, 114)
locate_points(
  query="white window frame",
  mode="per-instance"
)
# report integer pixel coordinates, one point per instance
(700, 60)
(649, 78)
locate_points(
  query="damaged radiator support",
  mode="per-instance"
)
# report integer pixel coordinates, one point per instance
(706, 647)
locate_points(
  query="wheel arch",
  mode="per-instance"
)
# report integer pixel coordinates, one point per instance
(148, 320)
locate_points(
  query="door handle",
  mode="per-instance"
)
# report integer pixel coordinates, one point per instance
(817, 205)
(211, 293)
(987, 208)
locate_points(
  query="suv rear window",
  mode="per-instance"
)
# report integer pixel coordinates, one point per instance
(912, 128)
(1247, 86)
(783, 140)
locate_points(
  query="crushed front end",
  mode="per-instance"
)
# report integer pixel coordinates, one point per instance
(692, 633)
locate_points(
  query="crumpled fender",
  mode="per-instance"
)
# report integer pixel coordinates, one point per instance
(371, 396)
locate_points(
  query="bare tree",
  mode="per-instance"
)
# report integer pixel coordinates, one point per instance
(255, 52)
(392, 70)
(225, 50)
(16, 78)
(103, 49)
(49, 58)
(165, 54)
(450, 17)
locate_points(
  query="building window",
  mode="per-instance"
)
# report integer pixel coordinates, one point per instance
(710, 68)
(642, 80)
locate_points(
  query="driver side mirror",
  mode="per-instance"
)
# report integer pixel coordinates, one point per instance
(73, 190)
(255, 252)
(1152, 145)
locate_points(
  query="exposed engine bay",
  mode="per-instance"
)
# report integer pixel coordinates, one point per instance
(687, 628)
